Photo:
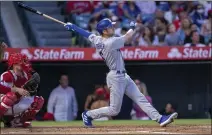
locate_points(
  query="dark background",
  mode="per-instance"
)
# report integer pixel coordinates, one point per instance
(181, 83)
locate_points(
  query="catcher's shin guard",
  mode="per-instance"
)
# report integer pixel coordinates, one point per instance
(7, 101)
(31, 112)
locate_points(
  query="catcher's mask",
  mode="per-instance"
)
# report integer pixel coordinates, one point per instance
(27, 67)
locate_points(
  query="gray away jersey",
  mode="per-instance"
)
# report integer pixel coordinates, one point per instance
(109, 49)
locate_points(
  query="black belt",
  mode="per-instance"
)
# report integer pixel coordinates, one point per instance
(121, 72)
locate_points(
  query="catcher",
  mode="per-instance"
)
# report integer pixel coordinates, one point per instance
(18, 88)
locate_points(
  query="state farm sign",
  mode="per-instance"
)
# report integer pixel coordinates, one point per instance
(52, 54)
(190, 53)
(57, 54)
(128, 53)
(197, 52)
(134, 54)
(139, 53)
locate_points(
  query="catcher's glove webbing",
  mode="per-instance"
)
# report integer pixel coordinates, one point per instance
(32, 84)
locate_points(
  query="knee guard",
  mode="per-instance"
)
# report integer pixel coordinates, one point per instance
(31, 112)
(7, 101)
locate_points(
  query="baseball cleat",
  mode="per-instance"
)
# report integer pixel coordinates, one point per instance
(87, 120)
(165, 120)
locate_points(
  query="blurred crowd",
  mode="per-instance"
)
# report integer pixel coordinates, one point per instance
(159, 23)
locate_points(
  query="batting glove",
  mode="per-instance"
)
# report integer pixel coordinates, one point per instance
(69, 26)
(133, 25)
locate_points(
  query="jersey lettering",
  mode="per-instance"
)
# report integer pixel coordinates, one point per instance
(100, 46)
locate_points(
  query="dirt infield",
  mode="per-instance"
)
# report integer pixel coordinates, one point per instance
(148, 129)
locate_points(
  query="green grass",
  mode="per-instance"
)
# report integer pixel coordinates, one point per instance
(120, 122)
(124, 122)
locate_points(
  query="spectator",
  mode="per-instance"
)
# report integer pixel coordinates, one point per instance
(161, 39)
(193, 27)
(131, 10)
(198, 17)
(99, 99)
(135, 38)
(89, 101)
(169, 109)
(160, 26)
(119, 10)
(79, 7)
(92, 26)
(160, 31)
(171, 15)
(207, 5)
(147, 9)
(137, 113)
(195, 40)
(62, 103)
(93, 97)
(103, 11)
(100, 102)
(181, 16)
(184, 29)
(147, 38)
(206, 29)
(159, 13)
(188, 6)
(163, 5)
(172, 38)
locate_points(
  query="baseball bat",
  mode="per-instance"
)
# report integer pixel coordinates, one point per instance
(24, 6)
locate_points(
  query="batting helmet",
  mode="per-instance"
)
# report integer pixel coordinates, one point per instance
(104, 24)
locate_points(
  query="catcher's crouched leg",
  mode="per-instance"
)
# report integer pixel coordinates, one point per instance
(35, 107)
(23, 120)
(7, 101)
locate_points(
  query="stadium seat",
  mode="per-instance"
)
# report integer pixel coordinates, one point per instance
(47, 32)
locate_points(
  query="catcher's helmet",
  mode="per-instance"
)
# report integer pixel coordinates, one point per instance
(15, 58)
(104, 24)
(18, 58)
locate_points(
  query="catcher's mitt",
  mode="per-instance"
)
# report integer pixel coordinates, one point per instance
(32, 84)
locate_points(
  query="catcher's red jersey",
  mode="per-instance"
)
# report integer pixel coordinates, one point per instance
(9, 79)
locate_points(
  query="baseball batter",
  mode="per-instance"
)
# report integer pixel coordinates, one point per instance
(118, 81)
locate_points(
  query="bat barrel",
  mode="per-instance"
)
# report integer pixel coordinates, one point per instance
(22, 5)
